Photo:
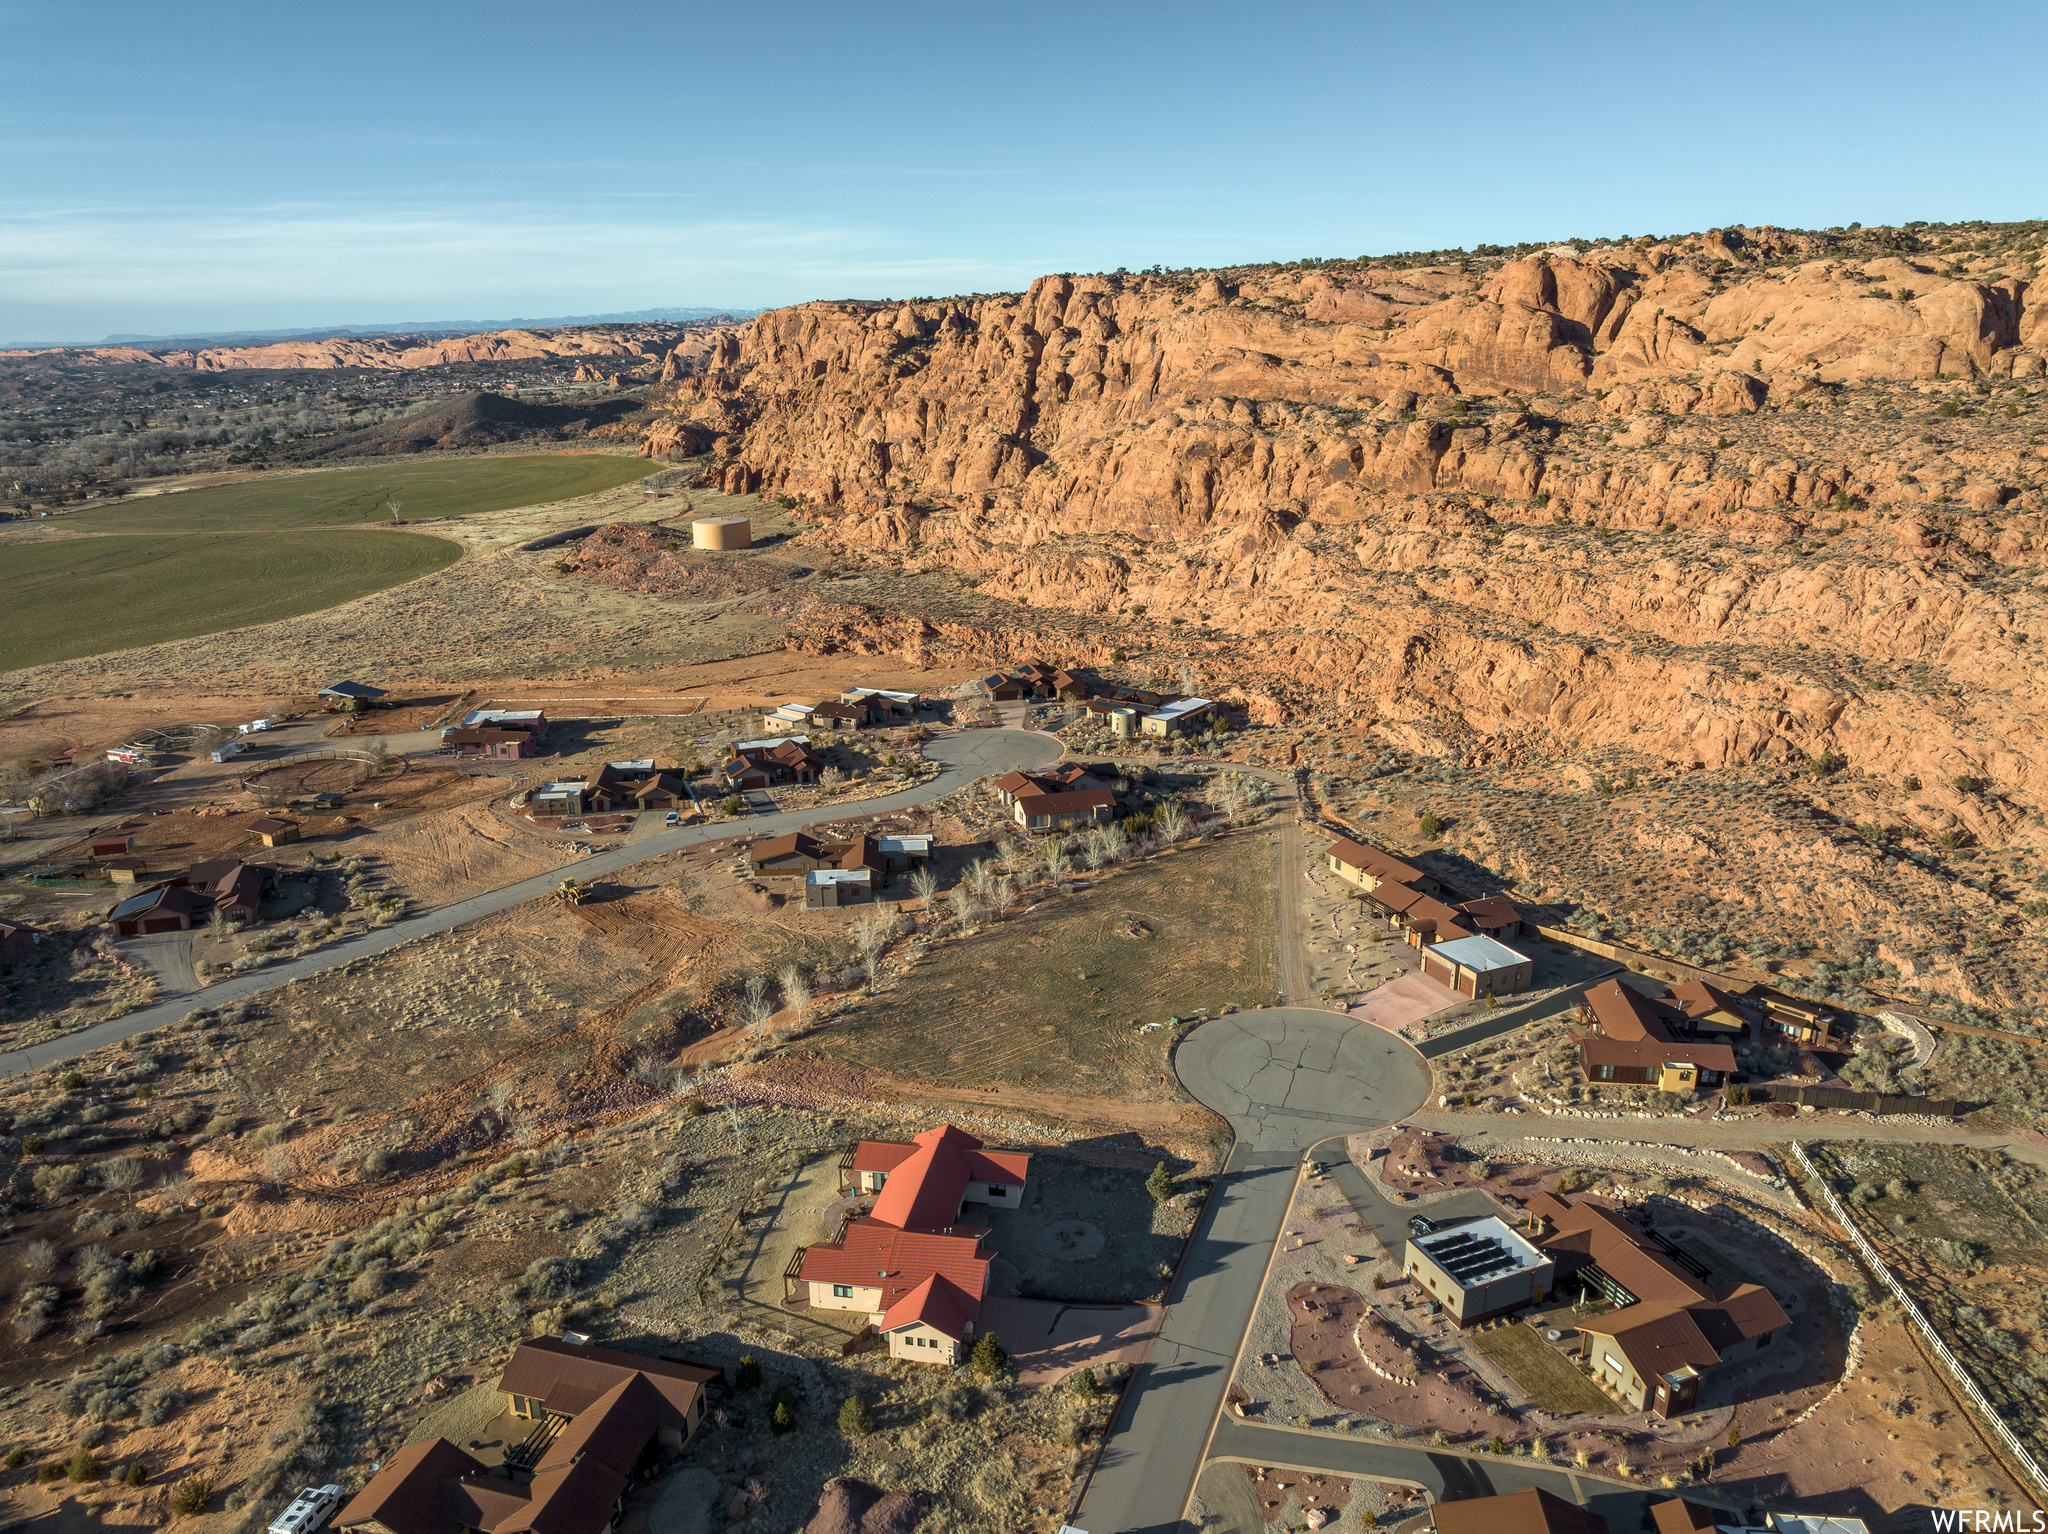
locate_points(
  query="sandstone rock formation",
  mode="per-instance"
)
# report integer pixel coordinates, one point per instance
(1750, 497)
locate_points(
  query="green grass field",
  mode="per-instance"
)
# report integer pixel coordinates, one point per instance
(84, 596)
(448, 487)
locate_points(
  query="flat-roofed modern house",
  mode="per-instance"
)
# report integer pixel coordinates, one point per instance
(1671, 1328)
(1478, 1270)
(914, 1263)
(564, 797)
(827, 889)
(1178, 717)
(1478, 966)
(601, 1419)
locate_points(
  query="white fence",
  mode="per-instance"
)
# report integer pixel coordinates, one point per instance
(1957, 1371)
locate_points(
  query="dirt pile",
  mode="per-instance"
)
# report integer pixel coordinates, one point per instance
(479, 419)
(657, 561)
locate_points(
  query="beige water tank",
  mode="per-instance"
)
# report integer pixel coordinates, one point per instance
(722, 533)
(1124, 721)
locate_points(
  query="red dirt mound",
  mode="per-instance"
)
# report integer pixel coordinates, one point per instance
(847, 1506)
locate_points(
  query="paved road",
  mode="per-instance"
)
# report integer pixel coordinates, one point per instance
(1286, 1078)
(963, 758)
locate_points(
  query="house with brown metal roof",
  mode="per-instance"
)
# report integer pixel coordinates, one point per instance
(1012, 786)
(1494, 916)
(636, 785)
(160, 908)
(1370, 867)
(1531, 1510)
(787, 857)
(601, 1419)
(1632, 1038)
(1710, 1012)
(1672, 1328)
(17, 942)
(1675, 1515)
(488, 740)
(1044, 813)
(911, 1263)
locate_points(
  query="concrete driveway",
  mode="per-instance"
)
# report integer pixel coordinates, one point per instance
(1404, 1000)
(170, 955)
(1286, 1078)
(962, 759)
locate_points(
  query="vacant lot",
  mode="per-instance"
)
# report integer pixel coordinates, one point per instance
(1543, 1374)
(1965, 1231)
(85, 596)
(450, 487)
(1052, 1000)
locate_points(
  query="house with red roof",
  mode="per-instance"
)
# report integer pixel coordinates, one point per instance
(915, 1264)
(1641, 1040)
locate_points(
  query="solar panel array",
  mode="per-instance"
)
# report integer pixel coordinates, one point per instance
(1470, 1259)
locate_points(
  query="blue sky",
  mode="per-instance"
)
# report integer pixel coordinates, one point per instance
(169, 168)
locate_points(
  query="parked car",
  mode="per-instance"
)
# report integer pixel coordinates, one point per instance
(1420, 1225)
(309, 1510)
(674, 818)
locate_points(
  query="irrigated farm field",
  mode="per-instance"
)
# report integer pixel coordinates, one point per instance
(447, 487)
(85, 596)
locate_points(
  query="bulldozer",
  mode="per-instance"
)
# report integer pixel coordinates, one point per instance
(572, 893)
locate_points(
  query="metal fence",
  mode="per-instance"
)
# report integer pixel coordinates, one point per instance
(1957, 1370)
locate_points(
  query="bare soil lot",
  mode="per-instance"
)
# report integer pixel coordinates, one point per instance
(1051, 1003)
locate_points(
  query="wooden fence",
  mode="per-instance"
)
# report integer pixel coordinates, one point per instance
(1957, 1370)
(1844, 1101)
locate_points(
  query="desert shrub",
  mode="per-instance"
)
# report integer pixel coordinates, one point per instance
(372, 1283)
(84, 1466)
(376, 1163)
(50, 1472)
(190, 1496)
(135, 1474)
(39, 1257)
(550, 1278)
(747, 1374)
(56, 1181)
(268, 1135)
(105, 1279)
(155, 1406)
(17, 1457)
(782, 1419)
(223, 1124)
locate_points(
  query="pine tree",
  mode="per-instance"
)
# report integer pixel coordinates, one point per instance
(748, 1375)
(989, 1360)
(1160, 1184)
(782, 1419)
(854, 1421)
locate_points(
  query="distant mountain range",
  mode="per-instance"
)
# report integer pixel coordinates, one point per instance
(400, 327)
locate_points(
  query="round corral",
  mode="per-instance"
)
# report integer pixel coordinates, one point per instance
(1287, 1077)
(722, 533)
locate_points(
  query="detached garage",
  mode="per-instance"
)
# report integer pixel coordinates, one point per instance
(1478, 966)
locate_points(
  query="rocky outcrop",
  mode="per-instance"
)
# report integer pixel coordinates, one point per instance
(1753, 496)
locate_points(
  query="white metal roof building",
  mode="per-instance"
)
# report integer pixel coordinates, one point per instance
(1478, 1269)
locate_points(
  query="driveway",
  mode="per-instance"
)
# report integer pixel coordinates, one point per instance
(1048, 1339)
(962, 759)
(1286, 1078)
(1407, 999)
(170, 955)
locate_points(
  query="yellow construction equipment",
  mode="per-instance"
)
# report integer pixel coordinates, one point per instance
(572, 893)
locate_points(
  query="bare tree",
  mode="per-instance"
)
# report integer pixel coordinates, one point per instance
(1053, 853)
(1015, 854)
(980, 876)
(1170, 820)
(121, 1174)
(178, 1189)
(755, 1010)
(924, 884)
(1188, 682)
(796, 989)
(1001, 896)
(279, 1163)
(963, 904)
(870, 936)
